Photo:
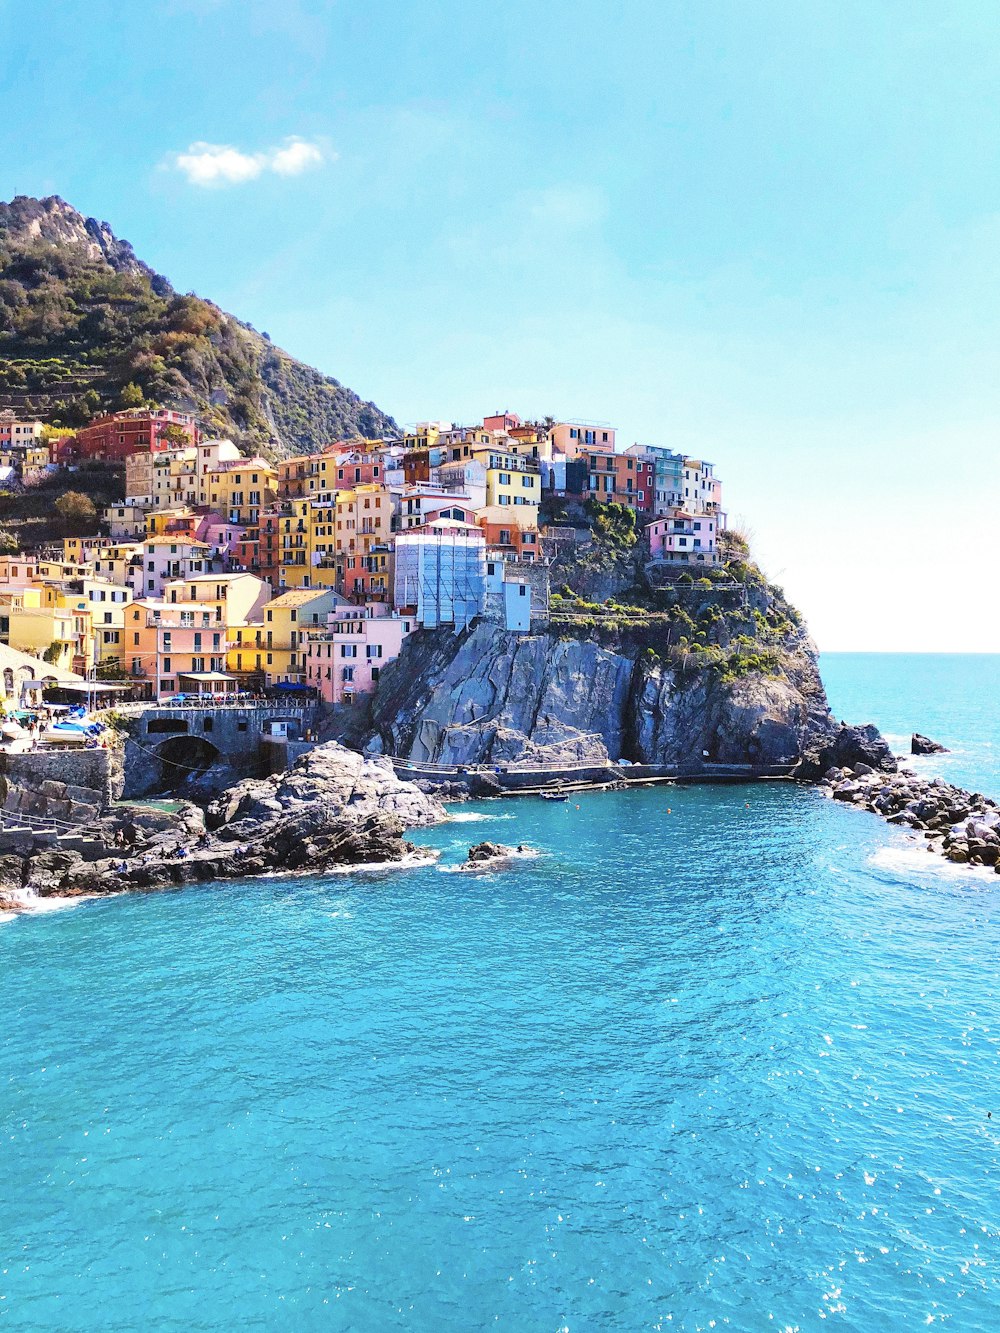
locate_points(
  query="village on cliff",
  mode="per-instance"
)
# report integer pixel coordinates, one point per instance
(220, 574)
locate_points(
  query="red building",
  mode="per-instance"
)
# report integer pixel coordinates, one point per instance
(366, 578)
(141, 430)
(416, 466)
(621, 479)
(505, 421)
(359, 469)
(246, 552)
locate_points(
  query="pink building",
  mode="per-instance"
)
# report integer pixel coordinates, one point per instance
(359, 469)
(344, 660)
(683, 537)
(502, 421)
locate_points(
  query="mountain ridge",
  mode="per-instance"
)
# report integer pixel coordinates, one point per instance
(87, 327)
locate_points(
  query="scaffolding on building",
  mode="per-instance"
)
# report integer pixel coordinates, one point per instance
(442, 575)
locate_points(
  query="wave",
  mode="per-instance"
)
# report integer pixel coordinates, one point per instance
(474, 817)
(28, 904)
(907, 860)
(404, 863)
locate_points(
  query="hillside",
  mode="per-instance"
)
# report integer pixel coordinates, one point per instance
(86, 327)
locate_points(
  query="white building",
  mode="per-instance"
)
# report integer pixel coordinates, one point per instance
(159, 559)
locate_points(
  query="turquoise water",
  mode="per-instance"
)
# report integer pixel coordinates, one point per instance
(726, 1066)
(953, 698)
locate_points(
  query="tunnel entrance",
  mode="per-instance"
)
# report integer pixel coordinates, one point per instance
(183, 759)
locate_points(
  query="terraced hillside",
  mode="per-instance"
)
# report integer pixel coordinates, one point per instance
(86, 327)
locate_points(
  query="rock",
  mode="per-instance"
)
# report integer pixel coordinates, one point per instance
(487, 851)
(924, 745)
(849, 747)
(845, 792)
(860, 770)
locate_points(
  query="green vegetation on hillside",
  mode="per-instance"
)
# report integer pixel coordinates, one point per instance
(85, 328)
(66, 503)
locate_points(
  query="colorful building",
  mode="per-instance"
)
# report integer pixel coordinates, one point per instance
(240, 491)
(683, 537)
(179, 642)
(274, 645)
(576, 437)
(143, 430)
(345, 660)
(621, 479)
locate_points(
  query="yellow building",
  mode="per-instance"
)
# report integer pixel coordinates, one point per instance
(57, 634)
(363, 518)
(175, 479)
(510, 479)
(276, 644)
(240, 490)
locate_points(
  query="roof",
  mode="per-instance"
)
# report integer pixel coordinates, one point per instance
(298, 596)
(178, 539)
(216, 578)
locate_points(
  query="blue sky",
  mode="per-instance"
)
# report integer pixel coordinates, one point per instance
(764, 233)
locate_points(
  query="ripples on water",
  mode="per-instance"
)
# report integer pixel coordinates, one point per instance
(726, 1063)
(729, 1064)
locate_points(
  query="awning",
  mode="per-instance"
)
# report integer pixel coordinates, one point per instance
(205, 676)
(83, 686)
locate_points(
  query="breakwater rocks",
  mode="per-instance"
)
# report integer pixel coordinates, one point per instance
(960, 825)
(333, 808)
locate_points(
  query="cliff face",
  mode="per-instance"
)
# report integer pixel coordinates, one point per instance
(487, 695)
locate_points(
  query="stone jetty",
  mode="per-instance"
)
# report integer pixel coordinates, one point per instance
(960, 825)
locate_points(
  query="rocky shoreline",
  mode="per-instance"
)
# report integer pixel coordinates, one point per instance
(332, 809)
(336, 809)
(960, 825)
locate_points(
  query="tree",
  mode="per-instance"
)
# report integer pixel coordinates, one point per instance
(131, 396)
(174, 436)
(76, 511)
(8, 542)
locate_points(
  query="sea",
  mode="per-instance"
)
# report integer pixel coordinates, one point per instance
(721, 1057)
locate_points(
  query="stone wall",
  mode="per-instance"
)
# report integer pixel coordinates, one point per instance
(71, 785)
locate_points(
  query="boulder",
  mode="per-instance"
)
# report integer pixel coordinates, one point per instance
(924, 745)
(487, 851)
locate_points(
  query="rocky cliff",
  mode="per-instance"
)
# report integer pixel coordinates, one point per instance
(333, 808)
(723, 675)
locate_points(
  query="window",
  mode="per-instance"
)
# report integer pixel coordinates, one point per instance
(348, 650)
(166, 664)
(373, 650)
(347, 673)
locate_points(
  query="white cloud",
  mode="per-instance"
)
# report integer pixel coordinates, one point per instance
(295, 157)
(211, 165)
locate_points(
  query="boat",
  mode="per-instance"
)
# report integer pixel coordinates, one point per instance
(554, 796)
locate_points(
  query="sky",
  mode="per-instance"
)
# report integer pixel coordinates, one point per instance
(764, 234)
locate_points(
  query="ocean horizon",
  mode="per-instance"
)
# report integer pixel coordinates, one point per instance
(717, 1056)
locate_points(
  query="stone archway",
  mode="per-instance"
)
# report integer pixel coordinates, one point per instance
(183, 760)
